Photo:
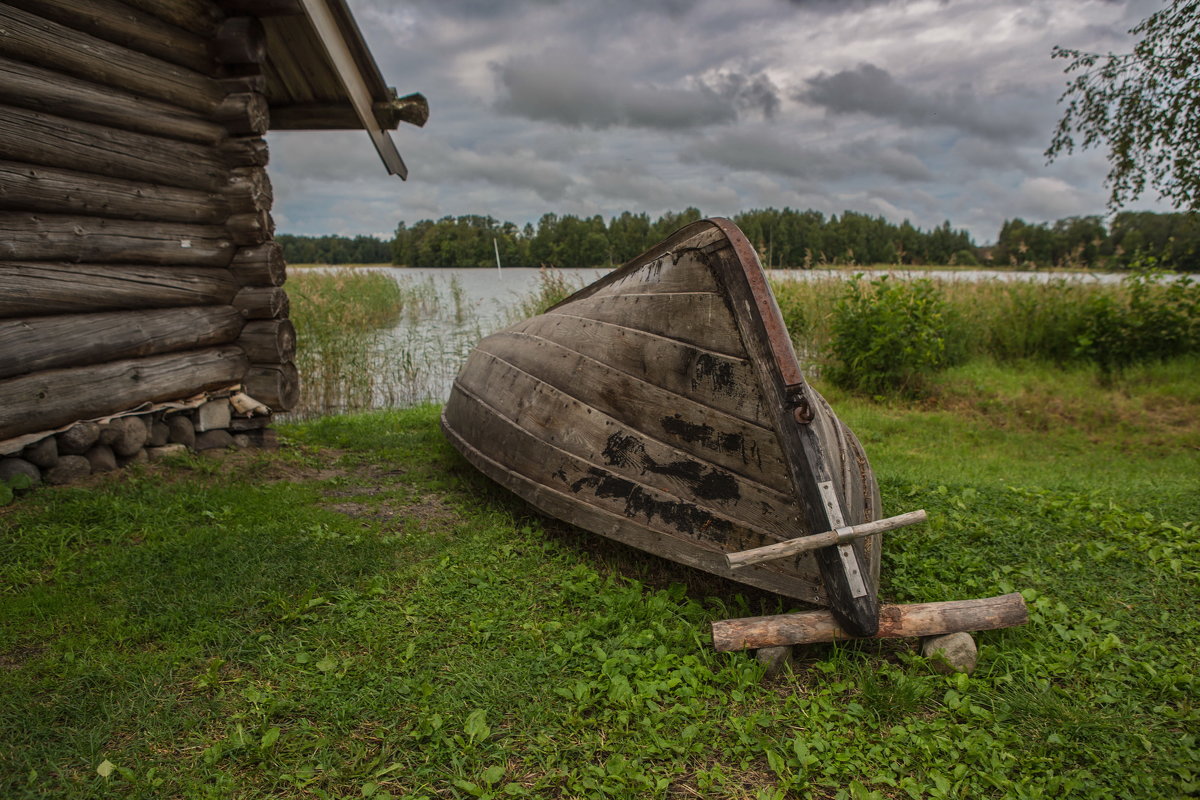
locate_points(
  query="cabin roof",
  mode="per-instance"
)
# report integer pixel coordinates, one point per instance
(320, 75)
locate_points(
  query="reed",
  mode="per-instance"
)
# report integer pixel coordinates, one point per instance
(339, 315)
(552, 288)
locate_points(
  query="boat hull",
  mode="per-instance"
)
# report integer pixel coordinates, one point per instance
(663, 407)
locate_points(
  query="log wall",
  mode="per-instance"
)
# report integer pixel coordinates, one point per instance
(137, 261)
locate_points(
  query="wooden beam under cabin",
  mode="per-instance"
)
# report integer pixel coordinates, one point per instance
(43, 400)
(413, 109)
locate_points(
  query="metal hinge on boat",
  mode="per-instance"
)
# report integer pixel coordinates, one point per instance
(795, 399)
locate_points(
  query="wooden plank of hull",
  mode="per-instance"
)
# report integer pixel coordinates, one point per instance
(717, 380)
(724, 440)
(617, 526)
(539, 409)
(701, 319)
(665, 275)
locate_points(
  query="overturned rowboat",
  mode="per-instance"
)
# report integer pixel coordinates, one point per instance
(663, 406)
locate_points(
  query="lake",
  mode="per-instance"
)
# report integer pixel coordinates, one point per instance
(423, 352)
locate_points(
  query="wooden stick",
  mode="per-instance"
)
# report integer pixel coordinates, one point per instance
(803, 544)
(895, 622)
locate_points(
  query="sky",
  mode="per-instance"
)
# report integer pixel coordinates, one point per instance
(927, 111)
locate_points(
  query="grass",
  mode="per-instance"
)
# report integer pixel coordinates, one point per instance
(364, 615)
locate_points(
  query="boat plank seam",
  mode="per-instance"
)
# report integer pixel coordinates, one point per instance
(764, 533)
(704, 350)
(747, 405)
(765, 488)
(755, 451)
(765, 579)
(768, 428)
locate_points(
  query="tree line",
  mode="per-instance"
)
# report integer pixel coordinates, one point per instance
(783, 237)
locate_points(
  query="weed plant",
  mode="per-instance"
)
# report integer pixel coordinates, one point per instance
(889, 336)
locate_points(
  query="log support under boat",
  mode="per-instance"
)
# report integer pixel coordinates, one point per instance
(896, 622)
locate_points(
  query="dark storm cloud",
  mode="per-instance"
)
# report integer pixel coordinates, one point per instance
(564, 88)
(748, 92)
(868, 89)
(767, 151)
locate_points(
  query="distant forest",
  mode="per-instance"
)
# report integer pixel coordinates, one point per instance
(784, 238)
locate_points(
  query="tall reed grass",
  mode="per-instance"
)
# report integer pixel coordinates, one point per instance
(347, 355)
(368, 340)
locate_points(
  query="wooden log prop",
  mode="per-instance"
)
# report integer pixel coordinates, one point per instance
(50, 190)
(804, 544)
(261, 265)
(268, 341)
(56, 397)
(120, 24)
(36, 289)
(35, 138)
(54, 237)
(895, 622)
(41, 343)
(33, 39)
(51, 92)
(276, 385)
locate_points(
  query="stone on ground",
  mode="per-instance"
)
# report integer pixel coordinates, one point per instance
(953, 652)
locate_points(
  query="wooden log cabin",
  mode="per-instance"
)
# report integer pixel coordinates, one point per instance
(140, 285)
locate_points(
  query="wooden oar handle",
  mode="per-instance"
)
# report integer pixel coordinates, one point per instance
(803, 544)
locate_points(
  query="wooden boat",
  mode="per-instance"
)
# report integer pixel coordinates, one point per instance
(663, 406)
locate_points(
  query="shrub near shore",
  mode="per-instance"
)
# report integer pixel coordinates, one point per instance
(889, 336)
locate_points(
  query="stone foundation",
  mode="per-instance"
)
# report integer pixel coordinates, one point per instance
(89, 447)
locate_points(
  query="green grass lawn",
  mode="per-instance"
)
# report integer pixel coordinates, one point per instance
(363, 615)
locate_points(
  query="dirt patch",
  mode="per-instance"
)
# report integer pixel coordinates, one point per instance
(20, 656)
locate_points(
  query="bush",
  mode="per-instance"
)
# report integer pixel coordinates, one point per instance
(888, 336)
(1153, 321)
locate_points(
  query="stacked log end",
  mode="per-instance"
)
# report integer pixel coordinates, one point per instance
(137, 247)
(268, 338)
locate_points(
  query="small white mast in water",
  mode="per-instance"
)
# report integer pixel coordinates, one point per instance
(497, 248)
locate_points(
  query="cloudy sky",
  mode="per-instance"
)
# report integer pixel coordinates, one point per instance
(921, 110)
